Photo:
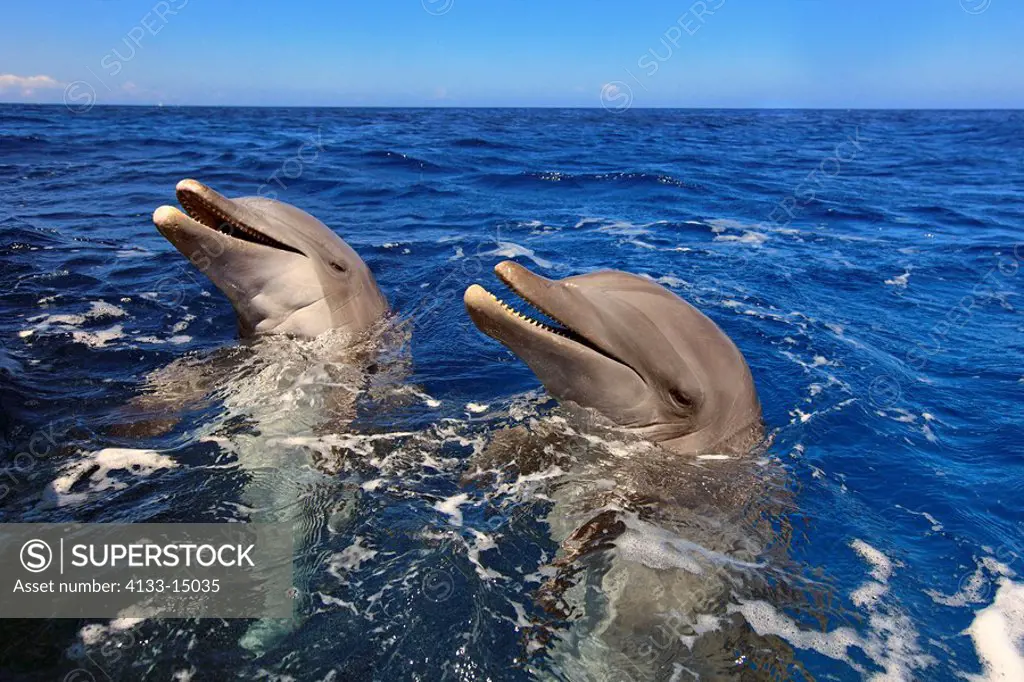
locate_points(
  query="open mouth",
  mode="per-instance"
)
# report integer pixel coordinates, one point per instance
(480, 301)
(213, 211)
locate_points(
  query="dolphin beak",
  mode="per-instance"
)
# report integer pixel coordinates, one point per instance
(167, 219)
(553, 299)
(209, 215)
(569, 364)
(204, 204)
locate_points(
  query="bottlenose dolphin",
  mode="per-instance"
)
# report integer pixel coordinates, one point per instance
(284, 271)
(295, 282)
(631, 349)
(653, 538)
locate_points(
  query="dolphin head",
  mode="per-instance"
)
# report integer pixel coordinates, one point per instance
(631, 349)
(282, 269)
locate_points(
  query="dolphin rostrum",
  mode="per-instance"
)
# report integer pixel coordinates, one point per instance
(631, 349)
(283, 270)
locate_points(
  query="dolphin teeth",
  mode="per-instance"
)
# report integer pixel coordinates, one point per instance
(228, 226)
(564, 330)
(526, 318)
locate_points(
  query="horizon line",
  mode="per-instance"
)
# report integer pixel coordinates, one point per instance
(612, 110)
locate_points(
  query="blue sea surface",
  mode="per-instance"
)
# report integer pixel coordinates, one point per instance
(868, 265)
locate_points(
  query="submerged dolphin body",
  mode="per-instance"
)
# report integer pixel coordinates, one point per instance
(284, 271)
(631, 349)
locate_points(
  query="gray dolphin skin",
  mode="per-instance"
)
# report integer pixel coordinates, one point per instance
(284, 271)
(631, 349)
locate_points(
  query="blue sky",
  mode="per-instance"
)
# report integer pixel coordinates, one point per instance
(730, 53)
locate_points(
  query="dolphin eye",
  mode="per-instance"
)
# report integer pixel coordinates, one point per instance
(679, 398)
(339, 267)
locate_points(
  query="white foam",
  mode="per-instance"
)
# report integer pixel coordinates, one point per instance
(98, 339)
(182, 324)
(672, 281)
(899, 280)
(881, 567)
(974, 588)
(450, 506)
(998, 635)
(624, 227)
(95, 468)
(481, 543)
(746, 238)
(63, 320)
(334, 601)
(936, 524)
(71, 322)
(177, 339)
(476, 408)
(95, 633)
(890, 642)
(511, 250)
(350, 559)
(765, 619)
(99, 309)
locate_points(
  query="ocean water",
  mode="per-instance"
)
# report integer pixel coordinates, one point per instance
(868, 264)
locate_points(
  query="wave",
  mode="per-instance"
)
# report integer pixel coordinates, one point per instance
(479, 143)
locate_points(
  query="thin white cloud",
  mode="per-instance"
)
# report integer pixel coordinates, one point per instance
(28, 84)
